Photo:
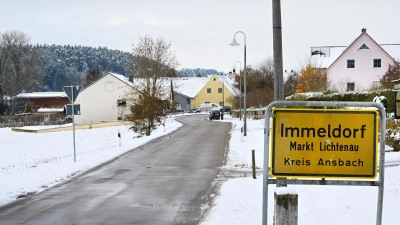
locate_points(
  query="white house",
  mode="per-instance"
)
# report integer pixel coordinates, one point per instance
(104, 99)
(358, 66)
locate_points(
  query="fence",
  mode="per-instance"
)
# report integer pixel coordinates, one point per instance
(31, 123)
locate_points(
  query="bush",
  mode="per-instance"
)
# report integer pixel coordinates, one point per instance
(392, 134)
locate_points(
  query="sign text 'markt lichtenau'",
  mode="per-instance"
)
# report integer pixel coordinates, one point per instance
(323, 132)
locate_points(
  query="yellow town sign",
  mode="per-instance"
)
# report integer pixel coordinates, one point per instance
(323, 143)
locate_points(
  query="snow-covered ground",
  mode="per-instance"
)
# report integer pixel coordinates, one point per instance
(32, 162)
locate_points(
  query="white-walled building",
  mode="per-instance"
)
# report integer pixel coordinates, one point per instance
(104, 99)
(358, 66)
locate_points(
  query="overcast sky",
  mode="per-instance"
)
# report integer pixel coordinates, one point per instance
(200, 30)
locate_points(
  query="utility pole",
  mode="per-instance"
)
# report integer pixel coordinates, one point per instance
(277, 45)
(278, 84)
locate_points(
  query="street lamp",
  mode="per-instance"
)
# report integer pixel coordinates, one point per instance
(240, 88)
(234, 43)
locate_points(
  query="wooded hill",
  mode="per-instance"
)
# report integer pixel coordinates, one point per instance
(64, 65)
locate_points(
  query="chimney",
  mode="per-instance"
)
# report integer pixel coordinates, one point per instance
(364, 30)
(131, 78)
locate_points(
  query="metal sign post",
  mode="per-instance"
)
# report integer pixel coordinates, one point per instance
(72, 93)
(348, 133)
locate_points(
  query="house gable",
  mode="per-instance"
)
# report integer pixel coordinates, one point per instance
(360, 65)
(217, 90)
(103, 100)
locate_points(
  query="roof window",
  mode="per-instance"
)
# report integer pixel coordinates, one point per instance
(364, 47)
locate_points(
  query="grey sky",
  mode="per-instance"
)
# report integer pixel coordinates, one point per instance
(200, 31)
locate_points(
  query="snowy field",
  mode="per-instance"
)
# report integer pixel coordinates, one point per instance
(32, 162)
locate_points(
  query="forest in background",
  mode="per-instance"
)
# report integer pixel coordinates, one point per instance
(66, 65)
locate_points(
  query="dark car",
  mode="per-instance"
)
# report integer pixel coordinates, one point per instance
(227, 109)
(215, 114)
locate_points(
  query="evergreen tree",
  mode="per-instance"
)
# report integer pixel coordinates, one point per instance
(28, 107)
(290, 84)
(92, 75)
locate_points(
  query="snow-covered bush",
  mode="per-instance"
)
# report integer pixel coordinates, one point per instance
(393, 134)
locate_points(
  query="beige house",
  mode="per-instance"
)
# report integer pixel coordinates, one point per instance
(104, 100)
(218, 89)
(191, 92)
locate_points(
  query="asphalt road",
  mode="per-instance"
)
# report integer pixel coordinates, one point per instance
(168, 181)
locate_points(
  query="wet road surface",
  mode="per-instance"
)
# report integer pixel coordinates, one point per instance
(167, 181)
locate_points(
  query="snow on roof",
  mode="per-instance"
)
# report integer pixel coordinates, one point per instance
(393, 50)
(332, 53)
(122, 78)
(43, 110)
(43, 95)
(229, 84)
(189, 86)
(324, 61)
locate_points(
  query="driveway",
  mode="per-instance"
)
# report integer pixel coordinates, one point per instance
(170, 180)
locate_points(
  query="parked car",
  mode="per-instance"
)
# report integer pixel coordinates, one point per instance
(215, 114)
(195, 110)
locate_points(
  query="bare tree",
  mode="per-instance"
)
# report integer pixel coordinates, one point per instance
(153, 62)
(22, 70)
(259, 84)
(393, 73)
(3, 57)
(20, 64)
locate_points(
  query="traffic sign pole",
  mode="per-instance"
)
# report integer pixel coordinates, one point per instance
(69, 90)
(73, 121)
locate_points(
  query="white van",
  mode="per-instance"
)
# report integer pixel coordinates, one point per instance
(206, 107)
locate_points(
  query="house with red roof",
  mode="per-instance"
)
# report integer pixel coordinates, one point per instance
(358, 66)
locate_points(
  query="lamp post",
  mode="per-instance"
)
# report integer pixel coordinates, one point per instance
(234, 43)
(240, 88)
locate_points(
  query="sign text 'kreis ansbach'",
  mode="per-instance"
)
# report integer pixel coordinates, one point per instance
(324, 143)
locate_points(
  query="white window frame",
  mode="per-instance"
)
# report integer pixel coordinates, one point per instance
(359, 48)
(354, 86)
(347, 61)
(121, 102)
(109, 86)
(373, 63)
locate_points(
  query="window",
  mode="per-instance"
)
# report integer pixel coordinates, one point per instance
(351, 63)
(207, 102)
(219, 90)
(122, 102)
(208, 90)
(377, 63)
(109, 86)
(363, 47)
(376, 84)
(350, 86)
